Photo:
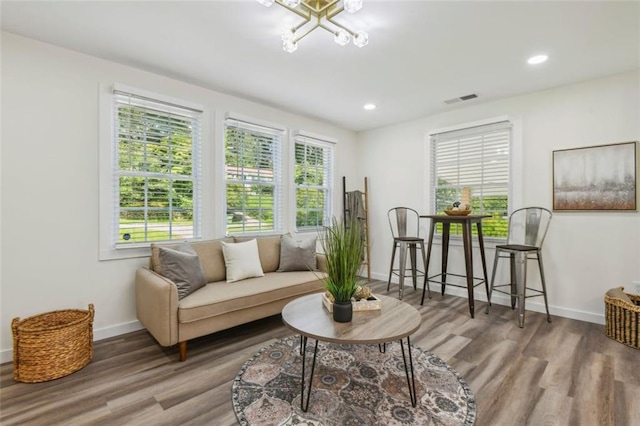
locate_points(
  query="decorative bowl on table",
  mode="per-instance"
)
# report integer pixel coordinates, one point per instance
(458, 209)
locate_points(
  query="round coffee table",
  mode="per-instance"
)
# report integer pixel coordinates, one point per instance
(395, 321)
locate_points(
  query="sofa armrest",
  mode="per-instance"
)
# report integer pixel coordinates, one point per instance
(157, 306)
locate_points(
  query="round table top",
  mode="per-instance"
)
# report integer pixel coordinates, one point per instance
(396, 320)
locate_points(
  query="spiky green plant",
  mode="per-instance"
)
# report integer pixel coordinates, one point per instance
(343, 248)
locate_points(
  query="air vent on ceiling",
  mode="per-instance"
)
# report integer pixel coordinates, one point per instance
(461, 99)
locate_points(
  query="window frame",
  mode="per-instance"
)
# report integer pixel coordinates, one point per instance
(278, 133)
(515, 184)
(324, 143)
(109, 249)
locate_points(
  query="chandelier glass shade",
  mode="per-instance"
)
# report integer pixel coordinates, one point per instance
(320, 14)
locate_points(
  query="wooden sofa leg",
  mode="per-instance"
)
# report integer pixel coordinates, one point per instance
(183, 351)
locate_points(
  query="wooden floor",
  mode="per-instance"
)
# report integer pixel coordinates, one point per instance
(562, 373)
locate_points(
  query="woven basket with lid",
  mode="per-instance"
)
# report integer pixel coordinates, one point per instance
(622, 319)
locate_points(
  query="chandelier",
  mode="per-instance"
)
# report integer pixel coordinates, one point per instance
(319, 14)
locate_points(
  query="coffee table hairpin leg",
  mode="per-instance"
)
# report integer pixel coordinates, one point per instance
(304, 407)
(303, 343)
(410, 383)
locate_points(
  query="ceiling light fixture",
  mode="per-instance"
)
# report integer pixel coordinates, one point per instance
(369, 107)
(319, 14)
(538, 59)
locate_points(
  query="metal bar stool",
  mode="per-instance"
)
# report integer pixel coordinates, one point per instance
(403, 220)
(527, 229)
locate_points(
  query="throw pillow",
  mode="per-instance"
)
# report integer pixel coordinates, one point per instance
(269, 250)
(242, 260)
(182, 266)
(297, 255)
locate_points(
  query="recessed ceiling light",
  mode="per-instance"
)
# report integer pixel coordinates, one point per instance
(369, 107)
(538, 59)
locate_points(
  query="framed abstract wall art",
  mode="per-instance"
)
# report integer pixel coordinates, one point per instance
(599, 177)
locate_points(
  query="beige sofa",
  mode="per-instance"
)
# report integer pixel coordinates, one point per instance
(219, 304)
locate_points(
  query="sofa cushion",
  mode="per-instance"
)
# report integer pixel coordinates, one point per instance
(222, 297)
(242, 260)
(297, 255)
(182, 266)
(269, 249)
(209, 252)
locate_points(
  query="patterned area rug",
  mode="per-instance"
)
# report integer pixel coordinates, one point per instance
(352, 385)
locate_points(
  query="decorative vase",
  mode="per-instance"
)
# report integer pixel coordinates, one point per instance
(342, 311)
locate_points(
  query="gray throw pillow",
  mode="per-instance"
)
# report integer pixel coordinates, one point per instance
(297, 255)
(182, 266)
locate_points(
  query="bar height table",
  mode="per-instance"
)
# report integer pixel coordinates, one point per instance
(466, 222)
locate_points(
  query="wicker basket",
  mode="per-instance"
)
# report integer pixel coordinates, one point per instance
(52, 345)
(622, 319)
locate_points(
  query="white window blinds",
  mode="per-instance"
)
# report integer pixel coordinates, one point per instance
(157, 170)
(313, 177)
(472, 165)
(253, 177)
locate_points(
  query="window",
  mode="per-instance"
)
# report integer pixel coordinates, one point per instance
(157, 170)
(253, 178)
(313, 177)
(472, 165)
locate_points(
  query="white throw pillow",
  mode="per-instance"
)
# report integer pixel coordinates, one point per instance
(242, 260)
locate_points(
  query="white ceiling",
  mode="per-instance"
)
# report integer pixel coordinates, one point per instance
(420, 52)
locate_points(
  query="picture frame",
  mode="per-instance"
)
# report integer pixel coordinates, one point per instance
(596, 178)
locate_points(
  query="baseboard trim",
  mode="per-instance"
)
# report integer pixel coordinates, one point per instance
(6, 355)
(499, 299)
(116, 330)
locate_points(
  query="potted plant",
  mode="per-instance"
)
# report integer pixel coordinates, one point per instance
(343, 249)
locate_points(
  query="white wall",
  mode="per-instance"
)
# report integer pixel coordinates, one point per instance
(49, 175)
(585, 253)
(50, 198)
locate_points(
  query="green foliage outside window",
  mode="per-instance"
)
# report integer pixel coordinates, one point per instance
(495, 205)
(251, 174)
(155, 163)
(312, 186)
